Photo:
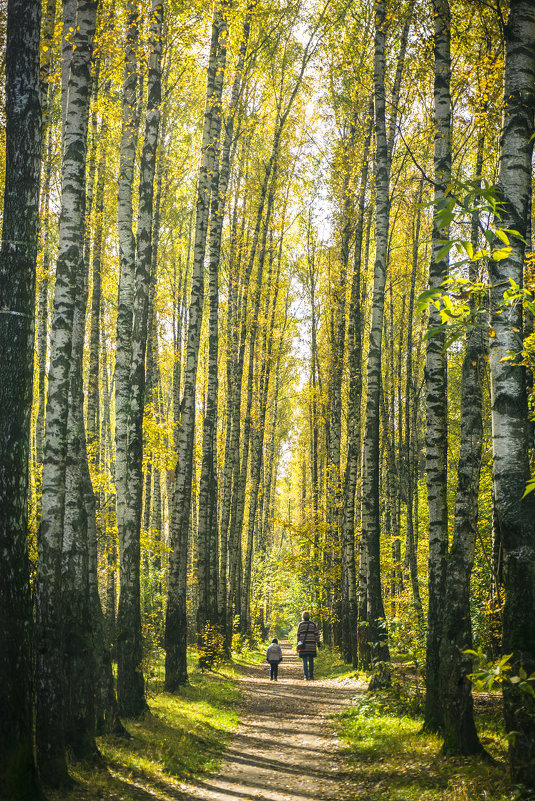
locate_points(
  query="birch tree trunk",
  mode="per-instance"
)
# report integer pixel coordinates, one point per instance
(460, 735)
(371, 526)
(515, 516)
(18, 256)
(207, 562)
(130, 682)
(123, 351)
(47, 96)
(258, 435)
(176, 619)
(354, 348)
(79, 666)
(436, 378)
(49, 639)
(410, 434)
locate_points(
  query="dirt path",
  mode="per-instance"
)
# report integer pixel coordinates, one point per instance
(285, 748)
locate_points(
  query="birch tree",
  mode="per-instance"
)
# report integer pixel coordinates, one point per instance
(515, 514)
(130, 684)
(436, 374)
(176, 620)
(370, 455)
(49, 636)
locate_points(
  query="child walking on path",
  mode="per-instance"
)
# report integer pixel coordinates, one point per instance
(274, 656)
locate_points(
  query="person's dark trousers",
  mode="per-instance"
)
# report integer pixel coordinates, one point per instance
(274, 670)
(308, 666)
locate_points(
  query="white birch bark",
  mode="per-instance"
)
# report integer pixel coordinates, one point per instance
(176, 621)
(49, 646)
(515, 517)
(130, 682)
(370, 454)
(436, 438)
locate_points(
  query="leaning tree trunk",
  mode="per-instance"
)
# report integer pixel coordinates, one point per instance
(371, 524)
(515, 515)
(18, 256)
(49, 640)
(176, 672)
(436, 379)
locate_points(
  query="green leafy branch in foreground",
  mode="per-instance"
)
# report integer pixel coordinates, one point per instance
(490, 674)
(461, 302)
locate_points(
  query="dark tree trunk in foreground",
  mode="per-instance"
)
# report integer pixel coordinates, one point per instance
(49, 636)
(371, 528)
(460, 735)
(18, 780)
(436, 379)
(515, 517)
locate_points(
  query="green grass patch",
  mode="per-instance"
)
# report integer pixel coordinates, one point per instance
(183, 735)
(329, 665)
(391, 758)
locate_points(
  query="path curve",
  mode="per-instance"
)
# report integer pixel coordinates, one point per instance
(285, 748)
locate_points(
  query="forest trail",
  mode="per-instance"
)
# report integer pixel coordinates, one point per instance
(285, 748)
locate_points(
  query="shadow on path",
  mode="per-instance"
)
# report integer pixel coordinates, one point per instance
(285, 748)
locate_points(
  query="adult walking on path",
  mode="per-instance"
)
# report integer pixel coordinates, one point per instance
(308, 641)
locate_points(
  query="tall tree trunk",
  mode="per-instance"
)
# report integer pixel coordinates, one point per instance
(259, 432)
(127, 159)
(371, 526)
(130, 683)
(93, 387)
(207, 562)
(47, 97)
(436, 378)
(411, 433)
(49, 640)
(460, 735)
(129, 558)
(176, 620)
(515, 515)
(208, 494)
(354, 347)
(79, 712)
(18, 256)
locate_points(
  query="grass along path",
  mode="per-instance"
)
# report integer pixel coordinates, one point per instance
(285, 748)
(326, 740)
(390, 758)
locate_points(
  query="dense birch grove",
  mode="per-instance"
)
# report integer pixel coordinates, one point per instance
(267, 290)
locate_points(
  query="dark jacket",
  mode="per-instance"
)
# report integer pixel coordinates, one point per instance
(307, 632)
